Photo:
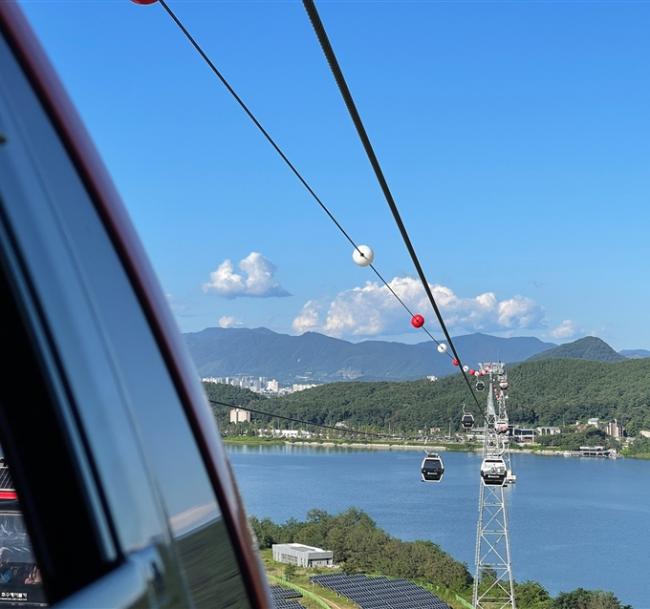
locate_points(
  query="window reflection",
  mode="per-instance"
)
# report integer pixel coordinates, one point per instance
(20, 577)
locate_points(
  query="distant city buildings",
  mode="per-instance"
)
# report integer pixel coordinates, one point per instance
(258, 384)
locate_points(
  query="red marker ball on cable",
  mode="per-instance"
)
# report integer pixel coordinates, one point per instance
(417, 321)
(454, 362)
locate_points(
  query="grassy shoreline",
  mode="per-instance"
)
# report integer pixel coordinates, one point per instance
(438, 446)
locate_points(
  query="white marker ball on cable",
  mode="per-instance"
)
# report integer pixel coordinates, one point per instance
(363, 255)
(465, 368)
(442, 348)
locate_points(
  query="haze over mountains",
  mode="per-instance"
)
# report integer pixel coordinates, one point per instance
(314, 357)
(318, 358)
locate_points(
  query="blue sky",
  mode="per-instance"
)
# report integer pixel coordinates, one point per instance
(515, 136)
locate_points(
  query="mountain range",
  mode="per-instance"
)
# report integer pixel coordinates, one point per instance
(314, 357)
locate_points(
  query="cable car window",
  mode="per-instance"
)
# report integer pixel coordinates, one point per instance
(209, 566)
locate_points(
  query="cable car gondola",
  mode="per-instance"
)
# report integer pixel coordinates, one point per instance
(480, 385)
(467, 421)
(432, 468)
(494, 471)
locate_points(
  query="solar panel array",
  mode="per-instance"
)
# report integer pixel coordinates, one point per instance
(284, 598)
(380, 592)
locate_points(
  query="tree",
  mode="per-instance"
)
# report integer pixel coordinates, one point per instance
(289, 571)
(531, 595)
(587, 599)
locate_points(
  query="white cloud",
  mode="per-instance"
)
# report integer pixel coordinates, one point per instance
(566, 329)
(308, 318)
(371, 309)
(228, 321)
(256, 279)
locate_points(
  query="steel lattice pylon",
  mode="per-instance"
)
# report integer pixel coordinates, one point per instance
(493, 582)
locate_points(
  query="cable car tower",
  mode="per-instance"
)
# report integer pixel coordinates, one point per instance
(493, 582)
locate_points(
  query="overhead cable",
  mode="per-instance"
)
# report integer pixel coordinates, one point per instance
(328, 51)
(197, 47)
(343, 430)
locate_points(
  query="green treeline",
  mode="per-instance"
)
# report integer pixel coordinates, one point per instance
(359, 545)
(545, 392)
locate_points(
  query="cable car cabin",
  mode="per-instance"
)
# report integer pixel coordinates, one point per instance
(493, 471)
(20, 578)
(467, 421)
(501, 426)
(432, 468)
(480, 386)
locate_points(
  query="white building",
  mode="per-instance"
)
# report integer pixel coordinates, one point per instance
(272, 386)
(594, 422)
(291, 433)
(615, 429)
(237, 415)
(301, 555)
(548, 431)
(301, 387)
(523, 436)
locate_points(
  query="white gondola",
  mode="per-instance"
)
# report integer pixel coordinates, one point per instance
(467, 421)
(494, 471)
(501, 426)
(432, 468)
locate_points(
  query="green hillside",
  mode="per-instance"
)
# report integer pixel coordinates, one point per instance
(587, 348)
(545, 392)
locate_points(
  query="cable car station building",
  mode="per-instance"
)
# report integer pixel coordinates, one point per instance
(302, 556)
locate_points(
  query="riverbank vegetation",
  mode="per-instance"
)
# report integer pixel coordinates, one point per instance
(360, 546)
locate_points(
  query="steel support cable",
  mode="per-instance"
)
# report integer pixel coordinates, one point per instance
(383, 436)
(197, 47)
(328, 51)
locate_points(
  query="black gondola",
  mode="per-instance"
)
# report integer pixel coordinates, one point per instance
(480, 385)
(494, 471)
(432, 468)
(467, 420)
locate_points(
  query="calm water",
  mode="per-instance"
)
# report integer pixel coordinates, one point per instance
(573, 522)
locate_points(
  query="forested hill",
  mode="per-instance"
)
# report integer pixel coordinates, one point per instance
(588, 348)
(545, 392)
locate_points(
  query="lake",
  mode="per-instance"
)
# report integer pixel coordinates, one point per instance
(573, 522)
